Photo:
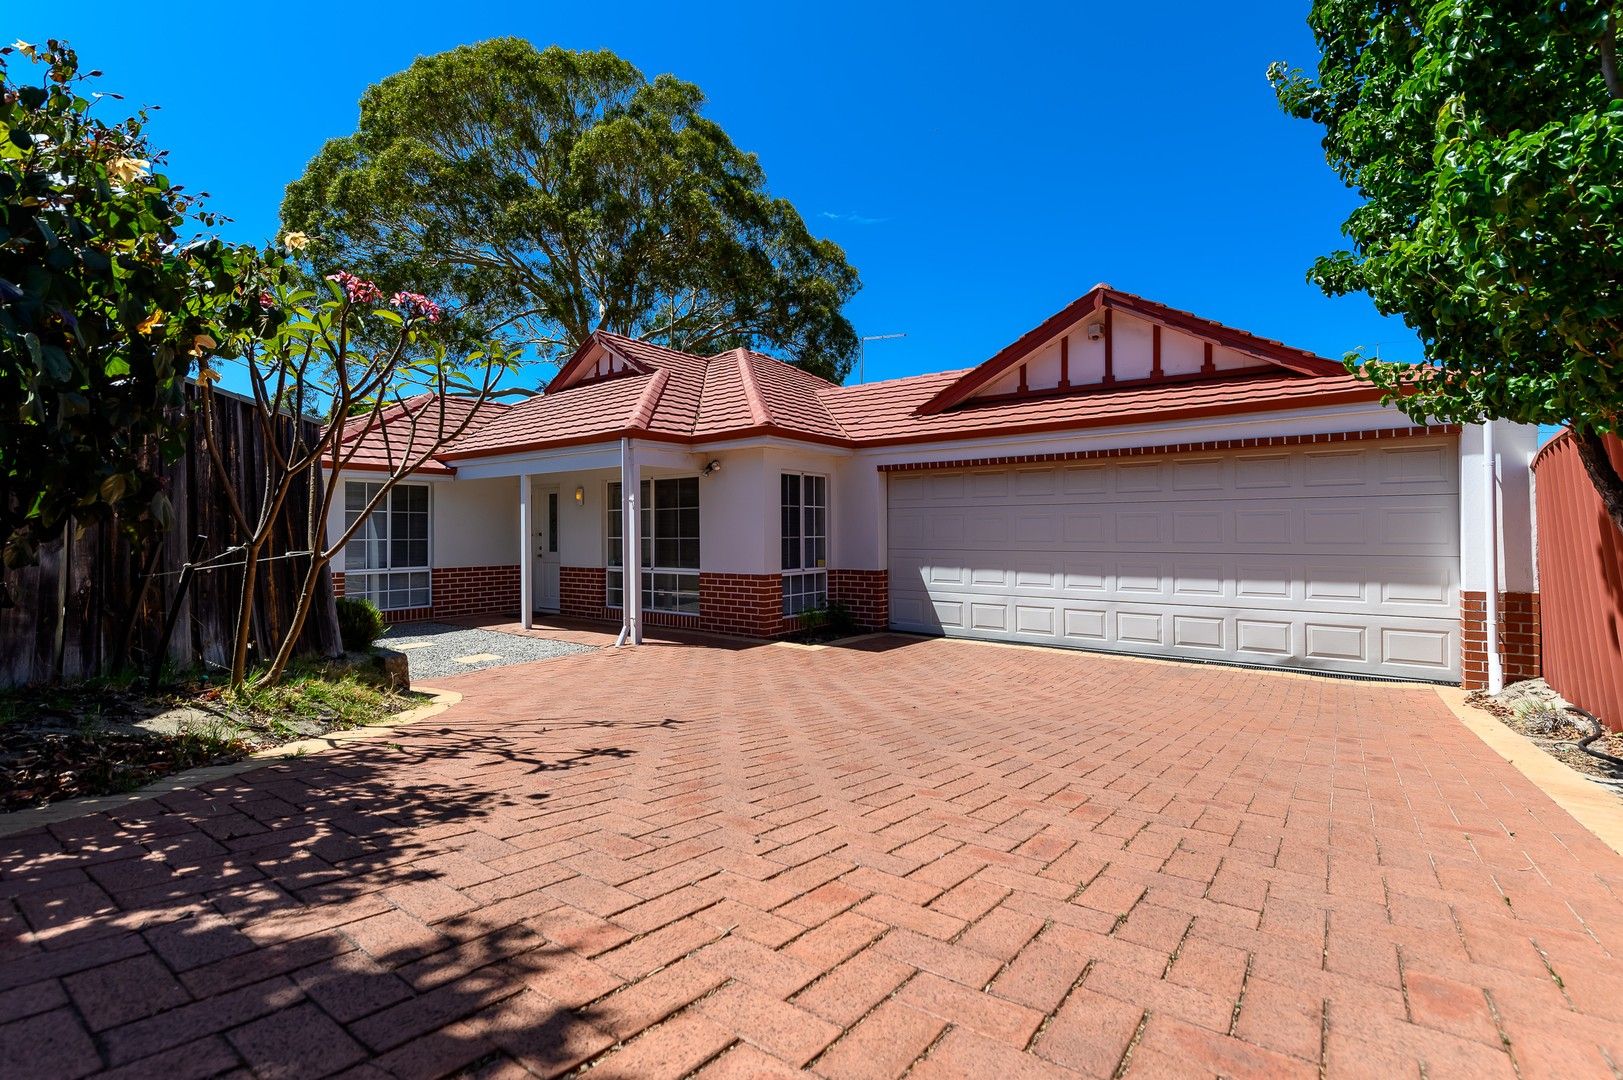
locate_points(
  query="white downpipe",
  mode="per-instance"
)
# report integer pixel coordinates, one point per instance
(526, 564)
(1490, 467)
(630, 545)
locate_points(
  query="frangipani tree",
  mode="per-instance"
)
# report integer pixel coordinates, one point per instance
(304, 355)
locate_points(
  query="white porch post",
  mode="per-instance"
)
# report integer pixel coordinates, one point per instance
(526, 564)
(631, 541)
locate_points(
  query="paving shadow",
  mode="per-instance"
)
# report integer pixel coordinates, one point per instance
(370, 904)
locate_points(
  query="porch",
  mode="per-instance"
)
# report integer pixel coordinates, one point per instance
(737, 540)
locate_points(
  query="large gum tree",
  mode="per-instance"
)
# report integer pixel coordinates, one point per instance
(547, 193)
(1485, 138)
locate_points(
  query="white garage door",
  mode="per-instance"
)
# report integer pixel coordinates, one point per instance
(1343, 559)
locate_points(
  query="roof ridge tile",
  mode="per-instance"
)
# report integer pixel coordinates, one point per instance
(759, 413)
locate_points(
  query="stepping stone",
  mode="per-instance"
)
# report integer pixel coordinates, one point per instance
(477, 658)
(403, 645)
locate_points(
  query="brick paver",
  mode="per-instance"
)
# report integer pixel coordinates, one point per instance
(902, 857)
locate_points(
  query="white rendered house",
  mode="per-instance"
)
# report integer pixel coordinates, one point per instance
(1125, 477)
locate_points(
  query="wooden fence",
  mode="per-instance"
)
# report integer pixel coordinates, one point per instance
(116, 610)
(1580, 581)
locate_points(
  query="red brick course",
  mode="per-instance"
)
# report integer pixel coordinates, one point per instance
(457, 591)
(746, 604)
(865, 593)
(681, 860)
(475, 590)
(1518, 641)
(1180, 448)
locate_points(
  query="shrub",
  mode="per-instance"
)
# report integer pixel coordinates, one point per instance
(360, 623)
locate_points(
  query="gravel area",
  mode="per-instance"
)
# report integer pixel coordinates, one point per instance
(438, 650)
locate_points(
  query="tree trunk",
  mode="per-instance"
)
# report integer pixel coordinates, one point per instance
(1602, 473)
(295, 629)
(245, 615)
(64, 567)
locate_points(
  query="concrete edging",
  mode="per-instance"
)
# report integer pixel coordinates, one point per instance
(1594, 806)
(67, 809)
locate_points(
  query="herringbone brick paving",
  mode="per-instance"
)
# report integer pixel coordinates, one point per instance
(927, 858)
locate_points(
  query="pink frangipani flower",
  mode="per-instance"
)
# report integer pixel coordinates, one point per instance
(417, 304)
(359, 290)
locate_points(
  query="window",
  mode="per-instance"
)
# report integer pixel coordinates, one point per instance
(386, 561)
(552, 523)
(804, 515)
(670, 545)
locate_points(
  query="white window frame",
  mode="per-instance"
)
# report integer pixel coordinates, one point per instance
(805, 586)
(680, 599)
(380, 583)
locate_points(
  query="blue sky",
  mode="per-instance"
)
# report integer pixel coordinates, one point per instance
(980, 171)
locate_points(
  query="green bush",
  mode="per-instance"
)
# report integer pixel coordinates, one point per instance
(360, 623)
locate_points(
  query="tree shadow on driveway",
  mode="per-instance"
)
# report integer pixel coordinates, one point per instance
(375, 903)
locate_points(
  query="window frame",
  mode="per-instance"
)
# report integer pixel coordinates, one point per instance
(381, 584)
(669, 589)
(805, 586)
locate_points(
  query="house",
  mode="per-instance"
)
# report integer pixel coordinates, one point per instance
(1124, 477)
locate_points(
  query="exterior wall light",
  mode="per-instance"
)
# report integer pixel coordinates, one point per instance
(580, 496)
(713, 467)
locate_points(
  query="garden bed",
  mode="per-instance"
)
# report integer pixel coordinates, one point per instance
(109, 736)
(1546, 719)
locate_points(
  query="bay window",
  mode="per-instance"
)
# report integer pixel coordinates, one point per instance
(669, 515)
(804, 515)
(386, 561)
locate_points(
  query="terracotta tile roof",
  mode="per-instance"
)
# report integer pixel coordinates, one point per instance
(664, 393)
(603, 409)
(365, 447)
(889, 412)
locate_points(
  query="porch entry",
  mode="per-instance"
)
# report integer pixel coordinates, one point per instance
(546, 597)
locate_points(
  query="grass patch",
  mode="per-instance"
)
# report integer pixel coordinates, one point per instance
(328, 697)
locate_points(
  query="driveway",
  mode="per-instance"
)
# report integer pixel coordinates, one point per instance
(929, 858)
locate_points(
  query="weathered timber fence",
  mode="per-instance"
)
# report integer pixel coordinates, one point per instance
(1580, 581)
(118, 597)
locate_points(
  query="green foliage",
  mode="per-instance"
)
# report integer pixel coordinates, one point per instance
(330, 697)
(1487, 145)
(833, 619)
(103, 307)
(360, 623)
(551, 193)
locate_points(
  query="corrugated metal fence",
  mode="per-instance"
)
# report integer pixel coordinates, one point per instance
(1580, 570)
(112, 621)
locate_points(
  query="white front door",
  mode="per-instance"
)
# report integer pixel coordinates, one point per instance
(546, 549)
(1336, 558)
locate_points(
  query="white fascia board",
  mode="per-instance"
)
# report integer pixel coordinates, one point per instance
(760, 442)
(1365, 416)
(375, 476)
(537, 463)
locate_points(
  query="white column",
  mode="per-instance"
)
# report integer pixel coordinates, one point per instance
(631, 541)
(526, 559)
(1496, 520)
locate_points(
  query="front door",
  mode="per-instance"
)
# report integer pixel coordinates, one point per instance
(546, 550)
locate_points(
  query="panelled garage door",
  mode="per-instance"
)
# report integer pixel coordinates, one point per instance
(1341, 558)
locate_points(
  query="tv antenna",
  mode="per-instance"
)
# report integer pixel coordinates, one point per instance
(862, 354)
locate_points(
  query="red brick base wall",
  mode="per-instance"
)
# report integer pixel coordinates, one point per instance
(475, 590)
(750, 605)
(865, 593)
(458, 590)
(581, 595)
(1518, 638)
(580, 592)
(747, 604)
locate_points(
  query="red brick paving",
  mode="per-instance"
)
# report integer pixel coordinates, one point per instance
(905, 857)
